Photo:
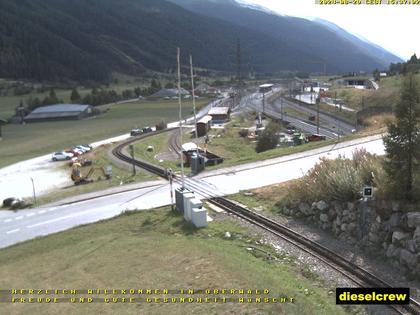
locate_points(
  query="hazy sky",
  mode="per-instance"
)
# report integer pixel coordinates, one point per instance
(394, 27)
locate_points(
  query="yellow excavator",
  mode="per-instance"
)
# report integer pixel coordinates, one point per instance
(79, 179)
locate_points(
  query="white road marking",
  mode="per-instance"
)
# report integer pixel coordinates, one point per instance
(13, 231)
(19, 218)
(7, 220)
(65, 217)
(30, 214)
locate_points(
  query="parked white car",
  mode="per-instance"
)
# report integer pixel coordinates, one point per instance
(81, 148)
(62, 156)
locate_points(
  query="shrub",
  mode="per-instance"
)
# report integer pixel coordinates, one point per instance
(243, 133)
(268, 139)
(341, 179)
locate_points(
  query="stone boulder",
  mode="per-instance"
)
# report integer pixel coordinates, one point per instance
(399, 237)
(322, 205)
(351, 206)
(305, 209)
(393, 251)
(394, 220)
(323, 217)
(416, 237)
(407, 258)
(413, 219)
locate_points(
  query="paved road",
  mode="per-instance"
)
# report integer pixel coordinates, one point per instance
(27, 224)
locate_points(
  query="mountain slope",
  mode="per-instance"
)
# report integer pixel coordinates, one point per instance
(89, 39)
(365, 45)
(340, 50)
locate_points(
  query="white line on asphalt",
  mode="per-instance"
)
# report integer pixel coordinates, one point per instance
(30, 214)
(19, 218)
(65, 217)
(13, 231)
(7, 220)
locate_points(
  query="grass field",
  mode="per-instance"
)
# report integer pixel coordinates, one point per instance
(387, 95)
(9, 103)
(225, 143)
(158, 250)
(21, 142)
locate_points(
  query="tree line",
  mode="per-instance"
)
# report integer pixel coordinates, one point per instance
(97, 96)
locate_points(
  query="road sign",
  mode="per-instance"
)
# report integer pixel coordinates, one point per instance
(367, 192)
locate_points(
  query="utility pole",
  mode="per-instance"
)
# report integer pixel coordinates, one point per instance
(263, 103)
(131, 147)
(170, 177)
(33, 190)
(180, 116)
(193, 97)
(317, 118)
(281, 108)
(194, 108)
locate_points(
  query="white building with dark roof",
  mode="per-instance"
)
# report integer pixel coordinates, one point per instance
(59, 112)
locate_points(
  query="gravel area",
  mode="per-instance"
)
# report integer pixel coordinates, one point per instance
(328, 276)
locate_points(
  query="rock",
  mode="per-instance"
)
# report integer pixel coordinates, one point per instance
(408, 258)
(352, 216)
(385, 246)
(395, 206)
(338, 207)
(323, 217)
(350, 206)
(351, 226)
(413, 219)
(325, 226)
(304, 208)
(394, 220)
(398, 237)
(338, 221)
(228, 235)
(322, 205)
(344, 227)
(416, 237)
(346, 213)
(393, 251)
(378, 219)
(331, 213)
(411, 246)
(374, 238)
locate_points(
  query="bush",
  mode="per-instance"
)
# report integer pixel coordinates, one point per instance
(340, 179)
(161, 125)
(243, 133)
(268, 139)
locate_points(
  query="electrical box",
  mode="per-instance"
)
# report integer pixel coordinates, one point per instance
(197, 164)
(179, 198)
(188, 196)
(199, 217)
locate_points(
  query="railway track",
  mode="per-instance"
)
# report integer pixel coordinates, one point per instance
(355, 273)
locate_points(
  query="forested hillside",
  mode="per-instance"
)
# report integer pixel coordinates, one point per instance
(89, 39)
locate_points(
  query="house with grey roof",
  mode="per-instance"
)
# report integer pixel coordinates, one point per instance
(59, 112)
